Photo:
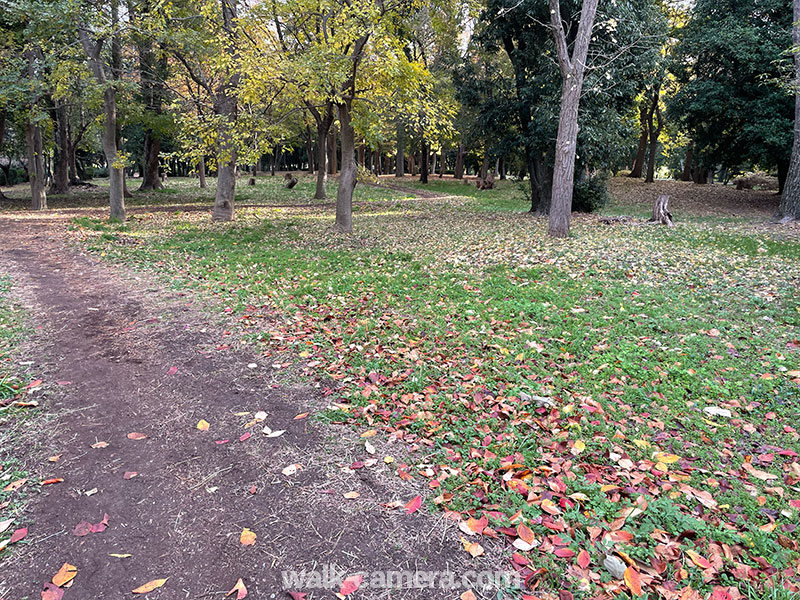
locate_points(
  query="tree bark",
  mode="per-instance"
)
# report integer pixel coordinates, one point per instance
(331, 160)
(349, 174)
(654, 127)
(310, 149)
(423, 162)
(323, 120)
(789, 208)
(151, 72)
(661, 214)
(400, 160)
(638, 164)
(60, 183)
(225, 105)
(36, 172)
(2, 135)
(687, 164)
(116, 194)
(458, 171)
(572, 71)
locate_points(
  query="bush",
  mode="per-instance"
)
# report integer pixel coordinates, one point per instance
(590, 194)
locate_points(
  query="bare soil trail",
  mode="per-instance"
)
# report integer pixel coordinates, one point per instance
(131, 357)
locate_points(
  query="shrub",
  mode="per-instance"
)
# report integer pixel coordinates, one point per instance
(590, 194)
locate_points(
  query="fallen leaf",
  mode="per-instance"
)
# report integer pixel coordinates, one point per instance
(5, 525)
(52, 480)
(247, 537)
(413, 505)
(583, 559)
(51, 591)
(129, 474)
(135, 435)
(298, 595)
(15, 485)
(240, 590)
(291, 469)
(65, 574)
(301, 416)
(698, 560)
(150, 586)
(81, 529)
(97, 445)
(473, 548)
(632, 581)
(18, 535)
(115, 555)
(351, 584)
(351, 495)
(273, 434)
(172, 370)
(55, 458)
(203, 425)
(468, 595)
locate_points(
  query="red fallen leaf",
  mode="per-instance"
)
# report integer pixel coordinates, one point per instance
(18, 535)
(33, 384)
(240, 590)
(52, 480)
(632, 581)
(583, 559)
(135, 435)
(63, 383)
(351, 584)
(172, 370)
(698, 560)
(102, 525)
(565, 595)
(564, 553)
(413, 505)
(245, 437)
(220, 442)
(253, 489)
(129, 474)
(52, 592)
(83, 528)
(301, 416)
(298, 595)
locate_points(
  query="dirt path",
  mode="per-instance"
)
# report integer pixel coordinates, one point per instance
(140, 359)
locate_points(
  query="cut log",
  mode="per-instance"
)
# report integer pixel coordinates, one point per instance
(661, 214)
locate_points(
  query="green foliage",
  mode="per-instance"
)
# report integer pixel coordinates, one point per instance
(590, 194)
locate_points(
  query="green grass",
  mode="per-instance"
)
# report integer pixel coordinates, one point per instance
(436, 315)
(12, 418)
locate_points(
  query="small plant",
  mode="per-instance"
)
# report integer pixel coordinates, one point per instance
(590, 194)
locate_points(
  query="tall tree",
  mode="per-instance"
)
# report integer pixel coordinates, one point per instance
(573, 67)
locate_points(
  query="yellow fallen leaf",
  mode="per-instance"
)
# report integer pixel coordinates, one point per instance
(474, 548)
(578, 447)
(203, 425)
(115, 555)
(247, 537)
(351, 495)
(150, 586)
(65, 574)
(642, 444)
(665, 458)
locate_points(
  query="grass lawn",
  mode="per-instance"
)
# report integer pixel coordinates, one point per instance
(669, 358)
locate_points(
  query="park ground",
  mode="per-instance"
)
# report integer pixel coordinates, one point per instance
(610, 416)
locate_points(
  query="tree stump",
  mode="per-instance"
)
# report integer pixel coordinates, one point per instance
(661, 214)
(251, 181)
(486, 183)
(289, 181)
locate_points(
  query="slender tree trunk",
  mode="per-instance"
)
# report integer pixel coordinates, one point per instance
(201, 171)
(331, 142)
(655, 130)
(60, 183)
(36, 171)
(151, 72)
(400, 160)
(2, 135)
(423, 162)
(572, 71)
(310, 149)
(458, 171)
(638, 164)
(349, 174)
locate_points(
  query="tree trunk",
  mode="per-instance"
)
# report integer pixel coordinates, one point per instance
(572, 71)
(423, 162)
(400, 160)
(783, 174)
(151, 180)
(789, 208)
(349, 174)
(2, 135)
(36, 172)
(201, 171)
(412, 164)
(661, 214)
(687, 164)
(151, 70)
(458, 171)
(60, 183)
(331, 160)
(655, 130)
(324, 121)
(484, 167)
(638, 164)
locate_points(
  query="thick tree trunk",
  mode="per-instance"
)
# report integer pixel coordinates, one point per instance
(36, 171)
(638, 164)
(201, 172)
(423, 162)
(661, 214)
(572, 71)
(541, 184)
(458, 171)
(60, 183)
(412, 164)
(687, 164)
(349, 174)
(783, 174)
(400, 160)
(151, 180)
(789, 208)
(152, 70)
